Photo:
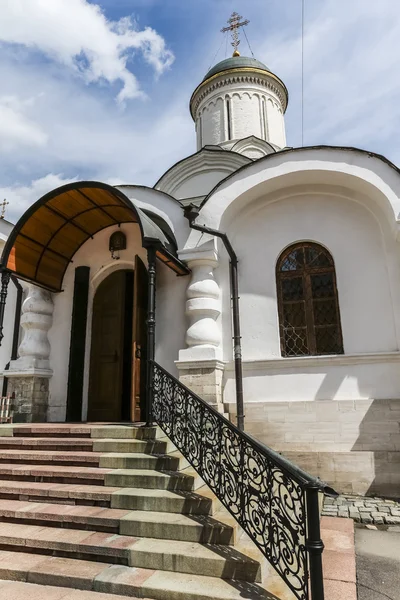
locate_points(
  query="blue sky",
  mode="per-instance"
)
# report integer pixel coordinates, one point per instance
(100, 90)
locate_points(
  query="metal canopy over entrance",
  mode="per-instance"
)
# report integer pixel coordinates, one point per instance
(51, 231)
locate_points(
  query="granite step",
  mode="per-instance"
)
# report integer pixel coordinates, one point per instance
(133, 446)
(46, 457)
(58, 515)
(172, 526)
(170, 462)
(39, 443)
(187, 480)
(50, 492)
(179, 550)
(20, 590)
(202, 502)
(127, 432)
(118, 580)
(53, 431)
(198, 559)
(54, 473)
(57, 541)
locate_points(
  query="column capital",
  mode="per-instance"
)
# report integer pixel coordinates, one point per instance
(206, 253)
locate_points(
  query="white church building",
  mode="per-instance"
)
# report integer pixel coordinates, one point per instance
(315, 232)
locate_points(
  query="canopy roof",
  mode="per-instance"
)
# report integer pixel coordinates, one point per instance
(49, 233)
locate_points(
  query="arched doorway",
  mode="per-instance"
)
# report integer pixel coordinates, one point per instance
(118, 347)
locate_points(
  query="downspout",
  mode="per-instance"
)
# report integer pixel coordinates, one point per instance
(151, 332)
(191, 213)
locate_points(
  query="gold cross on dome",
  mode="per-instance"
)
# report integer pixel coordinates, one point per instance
(3, 208)
(234, 24)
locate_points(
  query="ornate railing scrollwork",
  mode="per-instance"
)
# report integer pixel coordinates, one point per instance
(266, 494)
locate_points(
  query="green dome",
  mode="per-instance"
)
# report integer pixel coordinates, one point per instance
(236, 62)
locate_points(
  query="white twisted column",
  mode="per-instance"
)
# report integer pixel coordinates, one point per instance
(36, 320)
(200, 364)
(29, 375)
(203, 307)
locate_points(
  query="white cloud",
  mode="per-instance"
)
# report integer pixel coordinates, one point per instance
(20, 197)
(15, 127)
(77, 34)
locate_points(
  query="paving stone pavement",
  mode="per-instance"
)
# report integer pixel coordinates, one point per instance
(376, 511)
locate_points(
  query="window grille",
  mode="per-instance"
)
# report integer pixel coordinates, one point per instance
(309, 318)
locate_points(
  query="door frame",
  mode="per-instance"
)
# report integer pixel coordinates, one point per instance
(113, 289)
(148, 257)
(95, 281)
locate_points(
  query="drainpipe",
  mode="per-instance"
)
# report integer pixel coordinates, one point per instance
(191, 212)
(151, 333)
(5, 279)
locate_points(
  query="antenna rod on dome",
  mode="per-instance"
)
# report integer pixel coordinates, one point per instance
(234, 24)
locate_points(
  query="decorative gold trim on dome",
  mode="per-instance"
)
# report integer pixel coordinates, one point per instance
(241, 70)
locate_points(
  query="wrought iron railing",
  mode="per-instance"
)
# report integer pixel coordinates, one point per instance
(274, 502)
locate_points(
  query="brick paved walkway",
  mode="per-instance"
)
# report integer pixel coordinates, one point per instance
(375, 511)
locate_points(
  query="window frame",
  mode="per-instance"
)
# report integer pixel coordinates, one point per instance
(305, 273)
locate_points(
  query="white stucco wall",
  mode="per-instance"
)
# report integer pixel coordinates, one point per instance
(354, 238)
(263, 211)
(95, 254)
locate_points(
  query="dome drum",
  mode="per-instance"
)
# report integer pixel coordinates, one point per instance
(238, 98)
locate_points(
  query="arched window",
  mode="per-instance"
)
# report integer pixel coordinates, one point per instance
(309, 318)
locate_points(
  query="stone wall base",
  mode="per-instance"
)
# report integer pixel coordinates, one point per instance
(352, 445)
(31, 396)
(362, 473)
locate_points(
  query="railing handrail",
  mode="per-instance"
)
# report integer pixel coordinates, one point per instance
(275, 502)
(304, 479)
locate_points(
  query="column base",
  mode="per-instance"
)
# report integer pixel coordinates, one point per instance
(204, 378)
(30, 393)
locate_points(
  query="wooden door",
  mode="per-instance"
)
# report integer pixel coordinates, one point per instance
(139, 341)
(106, 357)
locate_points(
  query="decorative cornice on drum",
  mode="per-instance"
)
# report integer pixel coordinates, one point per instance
(239, 75)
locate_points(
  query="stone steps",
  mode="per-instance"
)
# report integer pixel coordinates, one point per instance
(172, 526)
(168, 555)
(126, 432)
(132, 446)
(158, 462)
(116, 509)
(54, 473)
(69, 431)
(48, 491)
(202, 502)
(59, 515)
(196, 559)
(169, 526)
(90, 544)
(186, 480)
(20, 590)
(35, 443)
(107, 578)
(46, 457)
